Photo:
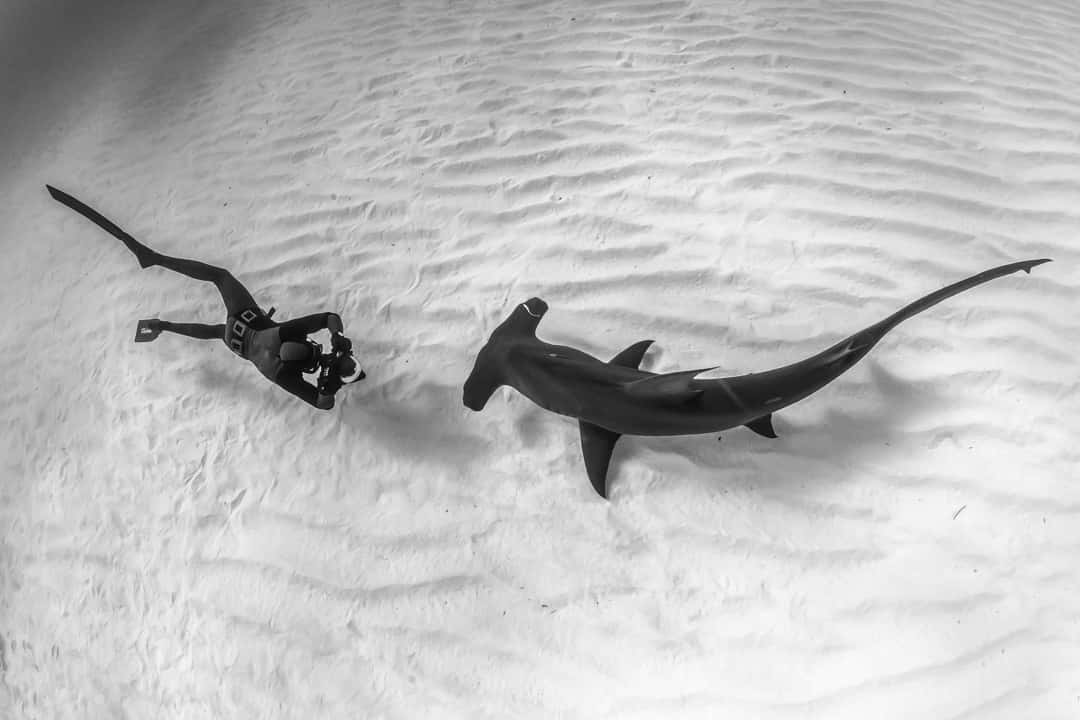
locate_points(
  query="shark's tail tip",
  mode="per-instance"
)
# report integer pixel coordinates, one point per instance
(1033, 263)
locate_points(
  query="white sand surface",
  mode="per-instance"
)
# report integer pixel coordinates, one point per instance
(746, 183)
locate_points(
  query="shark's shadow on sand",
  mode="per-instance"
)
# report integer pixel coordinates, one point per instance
(420, 428)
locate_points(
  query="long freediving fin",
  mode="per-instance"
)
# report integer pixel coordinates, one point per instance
(147, 330)
(762, 426)
(597, 444)
(631, 356)
(142, 253)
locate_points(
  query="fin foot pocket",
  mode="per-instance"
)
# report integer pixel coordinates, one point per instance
(147, 330)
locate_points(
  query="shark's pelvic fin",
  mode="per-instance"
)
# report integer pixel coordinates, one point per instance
(631, 356)
(597, 445)
(763, 426)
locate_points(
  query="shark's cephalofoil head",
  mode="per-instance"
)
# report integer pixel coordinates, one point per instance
(487, 373)
(483, 381)
(523, 321)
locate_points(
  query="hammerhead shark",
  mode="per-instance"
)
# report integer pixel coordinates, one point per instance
(616, 398)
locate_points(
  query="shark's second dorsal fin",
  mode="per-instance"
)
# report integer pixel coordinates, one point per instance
(631, 356)
(763, 426)
(597, 444)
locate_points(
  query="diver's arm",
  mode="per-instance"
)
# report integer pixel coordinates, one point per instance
(313, 323)
(301, 388)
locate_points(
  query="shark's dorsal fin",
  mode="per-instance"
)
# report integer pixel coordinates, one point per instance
(631, 356)
(763, 426)
(667, 389)
(597, 443)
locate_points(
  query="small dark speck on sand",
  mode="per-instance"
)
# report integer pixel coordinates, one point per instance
(958, 511)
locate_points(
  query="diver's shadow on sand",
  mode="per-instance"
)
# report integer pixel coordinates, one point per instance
(216, 379)
(806, 455)
(425, 427)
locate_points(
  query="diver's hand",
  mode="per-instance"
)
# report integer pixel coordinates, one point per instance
(333, 324)
(341, 344)
(330, 385)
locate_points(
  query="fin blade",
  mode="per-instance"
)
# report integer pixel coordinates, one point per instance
(597, 444)
(631, 356)
(762, 426)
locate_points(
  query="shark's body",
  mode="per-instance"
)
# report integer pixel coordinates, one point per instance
(616, 398)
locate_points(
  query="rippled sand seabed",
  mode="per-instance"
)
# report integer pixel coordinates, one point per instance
(746, 183)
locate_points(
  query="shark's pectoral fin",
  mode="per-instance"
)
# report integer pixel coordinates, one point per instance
(631, 356)
(763, 426)
(597, 444)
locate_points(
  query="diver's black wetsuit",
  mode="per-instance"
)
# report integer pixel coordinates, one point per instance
(248, 330)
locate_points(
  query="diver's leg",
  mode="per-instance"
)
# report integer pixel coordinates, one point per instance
(199, 331)
(235, 295)
(148, 330)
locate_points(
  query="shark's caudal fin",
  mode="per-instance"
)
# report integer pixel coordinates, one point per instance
(926, 302)
(598, 443)
(815, 372)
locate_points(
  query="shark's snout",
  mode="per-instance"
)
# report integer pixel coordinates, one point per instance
(535, 307)
(489, 372)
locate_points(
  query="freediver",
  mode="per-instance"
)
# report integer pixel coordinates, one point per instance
(281, 351)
